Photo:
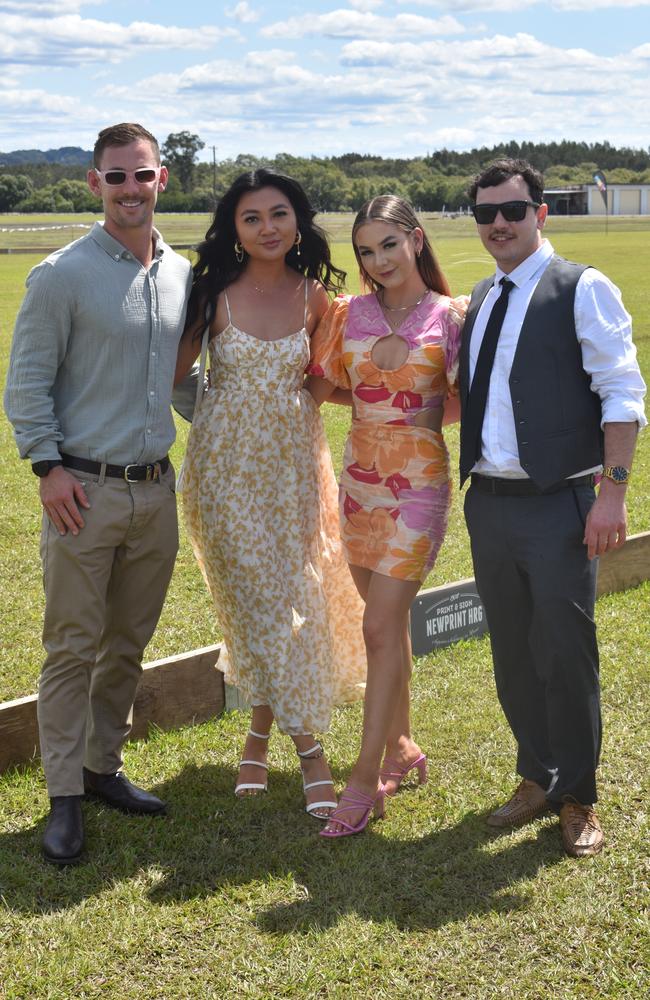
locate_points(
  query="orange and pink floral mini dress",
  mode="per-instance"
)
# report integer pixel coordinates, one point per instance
(395, 487)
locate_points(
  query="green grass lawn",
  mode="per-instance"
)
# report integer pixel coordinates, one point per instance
(241, 899)
(229, 899)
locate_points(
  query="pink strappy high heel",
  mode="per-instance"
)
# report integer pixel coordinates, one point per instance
(351, 800)
(392, 769)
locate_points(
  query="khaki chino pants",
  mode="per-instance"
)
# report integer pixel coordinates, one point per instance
(104, 591)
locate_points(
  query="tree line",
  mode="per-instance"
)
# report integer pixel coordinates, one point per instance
(433, 182)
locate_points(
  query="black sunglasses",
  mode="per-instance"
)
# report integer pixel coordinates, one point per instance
(143, 175)
(512, 211)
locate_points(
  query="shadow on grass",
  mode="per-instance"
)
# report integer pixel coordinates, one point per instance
(213, 842)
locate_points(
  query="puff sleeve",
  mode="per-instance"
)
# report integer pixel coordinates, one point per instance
(326, 360)
(454, 324)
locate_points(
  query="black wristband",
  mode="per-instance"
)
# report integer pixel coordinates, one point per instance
(41, 469)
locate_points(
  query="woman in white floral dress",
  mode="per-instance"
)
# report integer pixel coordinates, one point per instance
(260, 497)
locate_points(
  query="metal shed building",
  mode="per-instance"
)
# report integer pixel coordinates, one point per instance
(586, 199)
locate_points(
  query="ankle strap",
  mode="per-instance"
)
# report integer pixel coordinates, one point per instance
(260, 736)
(356, 798)
(313, 752)
(313, 784)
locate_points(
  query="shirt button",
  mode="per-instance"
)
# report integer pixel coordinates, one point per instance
(148, 430)
(151, 392)
(153, 354)
(117, 256)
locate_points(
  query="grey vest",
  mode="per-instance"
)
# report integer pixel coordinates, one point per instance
(557, 416)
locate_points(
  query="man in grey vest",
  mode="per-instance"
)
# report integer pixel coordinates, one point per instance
(551, 403)
(88, 393)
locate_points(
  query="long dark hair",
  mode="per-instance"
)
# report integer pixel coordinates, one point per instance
(217, 266)
(397, 211)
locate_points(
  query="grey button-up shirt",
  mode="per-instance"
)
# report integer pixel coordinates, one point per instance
(94, 351)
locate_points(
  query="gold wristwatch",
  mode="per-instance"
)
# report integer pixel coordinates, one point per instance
(618, 474)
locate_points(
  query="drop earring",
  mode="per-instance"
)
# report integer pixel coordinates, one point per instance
(297, 242)
(239, 252)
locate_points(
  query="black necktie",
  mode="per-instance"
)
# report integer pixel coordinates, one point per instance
(472, 425)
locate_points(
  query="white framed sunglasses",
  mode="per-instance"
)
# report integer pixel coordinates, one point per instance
(115, 177)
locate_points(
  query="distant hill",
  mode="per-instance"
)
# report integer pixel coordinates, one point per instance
(70, 155)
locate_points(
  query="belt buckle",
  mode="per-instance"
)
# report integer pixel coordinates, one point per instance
(126, 473)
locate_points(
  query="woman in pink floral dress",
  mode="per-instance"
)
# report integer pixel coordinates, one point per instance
(396, 348)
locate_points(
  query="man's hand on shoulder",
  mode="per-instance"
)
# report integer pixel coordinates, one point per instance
(61, 495)
(606, 525)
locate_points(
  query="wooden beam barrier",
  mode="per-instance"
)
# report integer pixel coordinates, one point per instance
(625, 568)
(443, 615)
(173, 692)
(185, 689)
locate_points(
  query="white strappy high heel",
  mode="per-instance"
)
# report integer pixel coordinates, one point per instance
(314, 753)
(245, 788)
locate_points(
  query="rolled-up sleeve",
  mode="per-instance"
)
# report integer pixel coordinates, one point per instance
(604, 329)
(39, 344)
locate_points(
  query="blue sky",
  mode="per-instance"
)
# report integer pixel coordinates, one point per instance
(324, 77)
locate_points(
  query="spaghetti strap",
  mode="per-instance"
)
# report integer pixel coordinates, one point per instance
(225, 298)
(304, 318)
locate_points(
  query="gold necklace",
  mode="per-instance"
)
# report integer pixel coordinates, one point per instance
(402, 308)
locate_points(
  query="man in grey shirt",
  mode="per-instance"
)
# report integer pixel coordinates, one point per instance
(88, 394)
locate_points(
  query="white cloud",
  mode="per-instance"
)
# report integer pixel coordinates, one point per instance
(473, 6)
(393, 85)
(590, 5)
(46, 7)
(243, 12)
(269, 93)
(505, 6)
(45, 119)
(355, 24)
(501, 56)
(384, 94)
(366, 5)
(70, 40)
(38, 101)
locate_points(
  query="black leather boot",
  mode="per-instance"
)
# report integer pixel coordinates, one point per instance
(63, 839)
(117, 791)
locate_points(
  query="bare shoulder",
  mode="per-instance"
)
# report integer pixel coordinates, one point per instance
(220, 317)
(317, 303)
(317, 295)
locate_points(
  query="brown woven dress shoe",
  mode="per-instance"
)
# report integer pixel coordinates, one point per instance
(582, 834)
(528, 801)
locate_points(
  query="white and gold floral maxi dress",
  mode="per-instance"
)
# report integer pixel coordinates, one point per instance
(261, 508)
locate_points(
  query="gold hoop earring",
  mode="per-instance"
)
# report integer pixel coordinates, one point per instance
(297, 242)
(239, 252)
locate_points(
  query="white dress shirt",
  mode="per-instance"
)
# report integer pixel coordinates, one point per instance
(604, 331)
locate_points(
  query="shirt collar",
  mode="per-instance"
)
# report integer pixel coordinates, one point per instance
(529, 267)
(158, 244)
(115, 249)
